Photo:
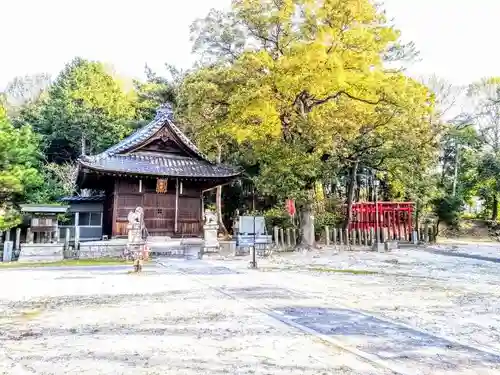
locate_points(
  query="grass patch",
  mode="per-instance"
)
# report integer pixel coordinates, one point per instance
(30, 314)
(349, 271)
(67, 262)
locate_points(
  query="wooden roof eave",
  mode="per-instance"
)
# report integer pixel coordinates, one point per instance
(87, 170)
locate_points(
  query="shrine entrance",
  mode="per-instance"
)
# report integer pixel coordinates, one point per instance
(395, 217)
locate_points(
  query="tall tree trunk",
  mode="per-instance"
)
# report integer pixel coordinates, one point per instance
(350, 194)
(83, 142)
(455, 172)
(218, 197)
(494, 209)
(307, 225)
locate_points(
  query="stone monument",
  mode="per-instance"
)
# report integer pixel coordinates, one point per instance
(210, 228)
(7, 251)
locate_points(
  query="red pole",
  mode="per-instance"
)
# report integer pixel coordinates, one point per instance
(398, 213)
(411, 220)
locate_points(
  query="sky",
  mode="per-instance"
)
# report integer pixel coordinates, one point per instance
(457, 39)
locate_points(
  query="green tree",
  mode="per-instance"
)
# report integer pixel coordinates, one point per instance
(19, 162)
(306, 87)
(155, 91)
(24, 91)
(486, 99)
(85, 110)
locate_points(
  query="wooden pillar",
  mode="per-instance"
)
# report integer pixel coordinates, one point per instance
(276, 232)
(398, 213)
(77, 238)
(202, 206)
(176, 205)
(77, 220)
(67, 237)
(29, 236)
(404, 229)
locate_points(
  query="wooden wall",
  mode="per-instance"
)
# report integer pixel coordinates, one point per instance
(159, 208)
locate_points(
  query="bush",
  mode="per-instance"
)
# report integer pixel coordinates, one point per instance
(448, 210)
(277, 217)
(325, 219)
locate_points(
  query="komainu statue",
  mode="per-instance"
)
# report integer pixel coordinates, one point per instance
(210, 218)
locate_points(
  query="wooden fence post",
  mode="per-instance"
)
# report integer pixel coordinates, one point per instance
(18, 239)
(327, 235)
(276, 237)
(282, 238)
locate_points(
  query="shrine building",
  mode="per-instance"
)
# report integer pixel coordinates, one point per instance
(159, 169)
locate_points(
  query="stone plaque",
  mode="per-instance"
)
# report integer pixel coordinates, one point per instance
(7, 251)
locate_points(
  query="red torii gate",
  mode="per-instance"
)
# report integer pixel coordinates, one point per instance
(397, 217)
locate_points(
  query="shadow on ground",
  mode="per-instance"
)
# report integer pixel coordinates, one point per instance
(388, 340)
(261, 292)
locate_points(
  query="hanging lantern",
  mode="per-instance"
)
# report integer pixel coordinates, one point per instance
(161, 185)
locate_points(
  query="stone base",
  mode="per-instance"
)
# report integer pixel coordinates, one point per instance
(227, 247)
(242, 251)
(31, 253)
(187, 248)
(101, 249)
(391, 245)
(380, 247)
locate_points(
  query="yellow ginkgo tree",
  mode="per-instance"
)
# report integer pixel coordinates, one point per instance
(305, 83)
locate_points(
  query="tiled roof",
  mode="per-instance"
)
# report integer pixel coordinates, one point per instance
(122, 158)
(169, 165)
(94, 198)
(164, 117)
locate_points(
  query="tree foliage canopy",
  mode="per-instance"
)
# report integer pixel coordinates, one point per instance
(305, 82)
(19, 162)
(84, 111)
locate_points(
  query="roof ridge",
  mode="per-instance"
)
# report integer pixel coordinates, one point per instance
(164, 117)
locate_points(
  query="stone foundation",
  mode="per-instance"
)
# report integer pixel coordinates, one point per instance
(101, 249)
(41, 253)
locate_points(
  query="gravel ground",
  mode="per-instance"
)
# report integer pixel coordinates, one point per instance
(218, 317)
(105, 321)
(451, 297)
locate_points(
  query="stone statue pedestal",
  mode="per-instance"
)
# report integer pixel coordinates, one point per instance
(211, 242)
(134, 235)
(210, 229)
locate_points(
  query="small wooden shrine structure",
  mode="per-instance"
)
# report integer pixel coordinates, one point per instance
(396, 217)
(44, 225)
(159, 169)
